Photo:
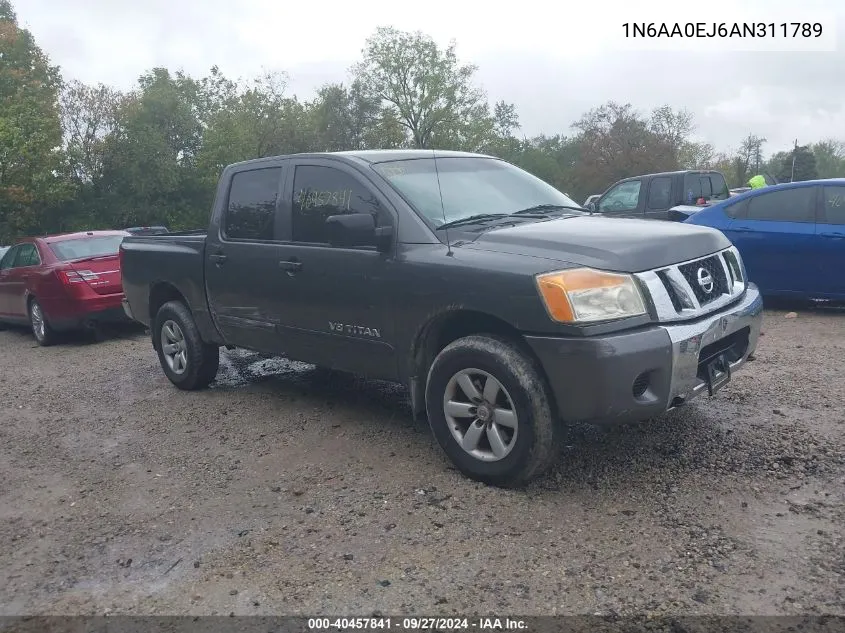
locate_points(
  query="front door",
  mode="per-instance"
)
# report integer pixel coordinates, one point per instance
(776, 238)
(622, 200)
(336, 310)
(830, 232)
(245, 285)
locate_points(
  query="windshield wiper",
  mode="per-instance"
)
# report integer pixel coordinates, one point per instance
(479, 217)
(548, 207)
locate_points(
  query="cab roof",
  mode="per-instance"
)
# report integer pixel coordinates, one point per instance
(373, 156)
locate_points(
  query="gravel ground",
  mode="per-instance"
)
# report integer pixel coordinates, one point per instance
(285, 490)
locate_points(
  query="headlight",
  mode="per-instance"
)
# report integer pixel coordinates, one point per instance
(584, 295)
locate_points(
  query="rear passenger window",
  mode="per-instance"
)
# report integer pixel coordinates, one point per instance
(27, 256)
(320, 192)
(786, 205)
(718, 187)
(737, 209)
(834, 205)
(251, 212)
(659, 193)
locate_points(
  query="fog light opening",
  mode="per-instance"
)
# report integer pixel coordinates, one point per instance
(641, 384)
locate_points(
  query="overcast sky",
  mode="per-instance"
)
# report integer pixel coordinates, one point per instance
(552, 60)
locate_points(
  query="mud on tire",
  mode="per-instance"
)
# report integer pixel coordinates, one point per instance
(512, 418)
(187, 361)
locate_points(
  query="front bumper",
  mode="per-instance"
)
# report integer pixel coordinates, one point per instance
(639, 374)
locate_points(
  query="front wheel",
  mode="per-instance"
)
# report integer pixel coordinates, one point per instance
(187, 361)
(490, 410)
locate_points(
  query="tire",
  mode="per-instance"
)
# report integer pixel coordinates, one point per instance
(522, 413)
(197, 362)
(41, 329)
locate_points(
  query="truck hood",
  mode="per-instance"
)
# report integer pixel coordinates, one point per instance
(620, 245)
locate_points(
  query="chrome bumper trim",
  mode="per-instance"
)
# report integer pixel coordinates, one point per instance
(688, 339)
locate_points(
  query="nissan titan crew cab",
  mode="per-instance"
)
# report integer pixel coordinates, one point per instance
(504, 306)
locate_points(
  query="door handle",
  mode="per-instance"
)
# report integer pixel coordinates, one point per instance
(218, 258)
(839, 234)
(741, 229)
(291, 265)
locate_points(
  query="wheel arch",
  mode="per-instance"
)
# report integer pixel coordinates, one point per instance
(448, 326)
(160, 293)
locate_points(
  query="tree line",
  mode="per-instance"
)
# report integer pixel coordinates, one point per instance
(76, 156)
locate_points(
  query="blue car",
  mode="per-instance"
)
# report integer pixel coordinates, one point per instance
(791, 236)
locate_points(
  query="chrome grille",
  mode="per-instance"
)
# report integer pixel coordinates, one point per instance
(710, 270)
(679, 292)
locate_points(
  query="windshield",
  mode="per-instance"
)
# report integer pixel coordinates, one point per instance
(87, 247)
(469, 186)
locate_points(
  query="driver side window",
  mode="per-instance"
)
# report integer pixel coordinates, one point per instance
(622, 198)
(319, 192)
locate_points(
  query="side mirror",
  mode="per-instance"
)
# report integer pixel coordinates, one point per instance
(592, 206)
(351, 230)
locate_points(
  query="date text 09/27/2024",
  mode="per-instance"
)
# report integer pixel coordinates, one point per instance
(417, 624)
(786, 30)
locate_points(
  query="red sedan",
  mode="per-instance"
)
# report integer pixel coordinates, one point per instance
(62, 282)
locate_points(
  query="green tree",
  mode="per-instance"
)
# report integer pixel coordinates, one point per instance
(260, 120)
(748, 160)
(428, 91)
(614, 143)
(30, 131)
(348, 119)
(149, 173)
(89, 115)
(803, 167)
(830, 158)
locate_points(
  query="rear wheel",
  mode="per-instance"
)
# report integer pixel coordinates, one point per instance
(44, 334)
(187, 361)
(489, 408)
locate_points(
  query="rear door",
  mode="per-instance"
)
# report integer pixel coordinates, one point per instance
(831, 242)
(776, 236)
(244, 282)
(622, 200)
(6, 267)
(20, 277)
(659, 198)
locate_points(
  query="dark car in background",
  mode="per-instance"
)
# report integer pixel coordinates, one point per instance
(62, 282)
(147, 230)
(791, 237)
(652, 196)
(591, 199)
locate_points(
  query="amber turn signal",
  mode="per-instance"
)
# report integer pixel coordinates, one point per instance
(584, 294)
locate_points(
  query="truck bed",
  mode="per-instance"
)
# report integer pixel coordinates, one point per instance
(174, 260)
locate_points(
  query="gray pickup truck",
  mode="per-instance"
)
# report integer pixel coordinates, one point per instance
(504, 306)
